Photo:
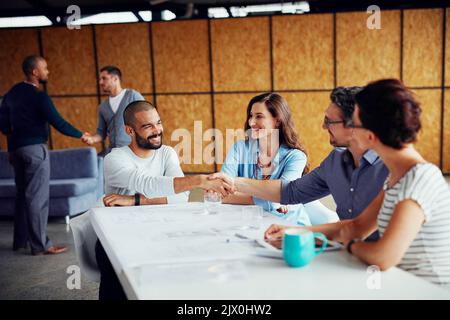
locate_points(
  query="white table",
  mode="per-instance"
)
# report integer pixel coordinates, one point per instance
(175, 252)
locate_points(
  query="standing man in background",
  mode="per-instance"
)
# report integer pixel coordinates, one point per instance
(25, 113)
(110, 111)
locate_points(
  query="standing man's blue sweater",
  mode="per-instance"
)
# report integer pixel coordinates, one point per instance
(26, 123)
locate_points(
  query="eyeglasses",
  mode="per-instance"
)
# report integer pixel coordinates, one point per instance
(347, 124)
(352, 125)
(327, 122)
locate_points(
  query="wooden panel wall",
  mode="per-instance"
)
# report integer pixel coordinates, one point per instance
(81, 112)
(182, 112)
(230, 113)
(241, 54)
(300, 56)
(363, 54)
(16, 44)
(422, 47)
(70, 57)
(428, 142)
(71, 62)
(446, 115)
(127, 47)
(181, 58)
(446, 135)
(303, 60)
(149, 97)
(422, 67)
(308, 111)
(447, 49)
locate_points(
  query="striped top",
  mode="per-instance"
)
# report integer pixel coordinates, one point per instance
(428, 256)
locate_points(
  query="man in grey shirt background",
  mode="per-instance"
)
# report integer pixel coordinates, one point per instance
(110, 111)
(354, 177)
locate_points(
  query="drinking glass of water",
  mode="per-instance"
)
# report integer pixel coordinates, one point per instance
(252, 217)
(212, 201)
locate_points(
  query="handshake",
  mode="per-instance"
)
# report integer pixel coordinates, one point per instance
(88, 139)
(218, 182)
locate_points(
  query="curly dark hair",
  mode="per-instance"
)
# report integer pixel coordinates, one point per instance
(390, 110)
(344, 98)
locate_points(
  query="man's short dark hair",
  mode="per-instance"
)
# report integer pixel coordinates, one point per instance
(344, 98)
(112, 70)
(30, 63)
(134, 107)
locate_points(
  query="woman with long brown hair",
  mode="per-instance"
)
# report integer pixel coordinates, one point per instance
(271, 150)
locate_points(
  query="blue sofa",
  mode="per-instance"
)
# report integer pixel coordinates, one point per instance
(76, 182)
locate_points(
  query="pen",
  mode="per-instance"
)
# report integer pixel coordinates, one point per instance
(228, 240)
(241, 236)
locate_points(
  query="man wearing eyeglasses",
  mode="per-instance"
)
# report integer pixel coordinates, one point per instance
(351, 175)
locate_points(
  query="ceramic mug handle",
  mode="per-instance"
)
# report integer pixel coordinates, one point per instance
(322, 237)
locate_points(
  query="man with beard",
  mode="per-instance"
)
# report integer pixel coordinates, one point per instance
(110, 111)
(24, 117)
(143, 173)
(353, 176)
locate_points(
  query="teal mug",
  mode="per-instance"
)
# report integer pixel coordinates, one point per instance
(299, 246)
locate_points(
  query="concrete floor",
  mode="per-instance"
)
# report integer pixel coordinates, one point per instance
(24, 277)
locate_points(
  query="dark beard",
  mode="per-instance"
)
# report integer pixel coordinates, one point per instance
(42, 81)
(145, 143)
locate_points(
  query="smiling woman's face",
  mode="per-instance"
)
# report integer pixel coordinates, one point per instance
(261, 121)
